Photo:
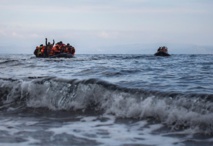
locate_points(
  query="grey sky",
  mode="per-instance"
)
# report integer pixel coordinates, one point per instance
(94, 26)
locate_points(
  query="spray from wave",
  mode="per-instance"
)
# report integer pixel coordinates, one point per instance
(178, 111)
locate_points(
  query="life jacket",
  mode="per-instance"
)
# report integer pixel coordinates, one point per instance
(55, 50)
(62, 48)
(51, 53)
(51, 50)
(42, 49)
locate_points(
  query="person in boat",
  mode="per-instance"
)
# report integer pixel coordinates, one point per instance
(162, 51)
(48, 48)
(62, 47)
(39, 51)
(159, 49)
(55, 50)
(66, 50)
(69, 49)
(72, 50)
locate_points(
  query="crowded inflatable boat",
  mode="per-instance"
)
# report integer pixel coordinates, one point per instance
(162, 51)
(54, 50)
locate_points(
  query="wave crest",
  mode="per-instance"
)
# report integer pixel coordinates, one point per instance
(175, 110)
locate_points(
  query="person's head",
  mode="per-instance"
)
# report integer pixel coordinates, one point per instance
(41, 45)
(48, 43)
(68, 44)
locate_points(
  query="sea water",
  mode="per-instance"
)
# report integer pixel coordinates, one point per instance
(106, 100)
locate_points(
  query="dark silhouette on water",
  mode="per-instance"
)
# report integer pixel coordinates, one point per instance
(162, 51)
(54, 50)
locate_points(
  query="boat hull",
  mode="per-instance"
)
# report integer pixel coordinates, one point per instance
(162, 54)
(61, 55)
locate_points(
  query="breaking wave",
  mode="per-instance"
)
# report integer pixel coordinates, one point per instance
(176, 110)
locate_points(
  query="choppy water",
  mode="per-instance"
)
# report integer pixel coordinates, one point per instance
(122, 100)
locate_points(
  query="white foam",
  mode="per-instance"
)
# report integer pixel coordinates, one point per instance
(111, 133)
(29, 142)
(13, 128)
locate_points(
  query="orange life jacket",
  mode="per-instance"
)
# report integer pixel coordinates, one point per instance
(42, 49)
(54, 50)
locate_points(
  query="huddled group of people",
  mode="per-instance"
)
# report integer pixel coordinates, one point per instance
(53, 49)
(163, 49)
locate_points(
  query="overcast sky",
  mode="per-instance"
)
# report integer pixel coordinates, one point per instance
(107, 26)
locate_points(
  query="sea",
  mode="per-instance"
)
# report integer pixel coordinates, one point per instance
(106, 100)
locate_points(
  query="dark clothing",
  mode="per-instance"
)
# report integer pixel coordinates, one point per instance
(48, 48)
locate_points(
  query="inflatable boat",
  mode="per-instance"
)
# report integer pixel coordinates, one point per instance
(61, 55)
(161, 54)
